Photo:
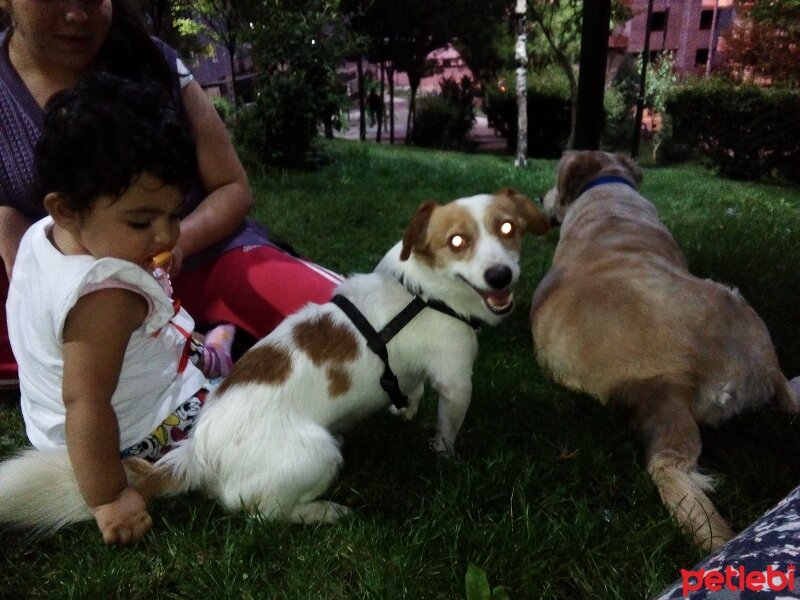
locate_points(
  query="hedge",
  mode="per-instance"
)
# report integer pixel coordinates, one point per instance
(746, 132)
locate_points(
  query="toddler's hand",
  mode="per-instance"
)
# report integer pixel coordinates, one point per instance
(125, 520)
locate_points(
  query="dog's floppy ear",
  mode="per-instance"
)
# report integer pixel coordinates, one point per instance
(536, 222)
(575, 170)
(416, 230)
(630, 165)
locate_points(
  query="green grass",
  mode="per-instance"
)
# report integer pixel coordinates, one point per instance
(547, 493)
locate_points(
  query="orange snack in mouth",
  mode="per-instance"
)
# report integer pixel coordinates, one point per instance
(162, 259)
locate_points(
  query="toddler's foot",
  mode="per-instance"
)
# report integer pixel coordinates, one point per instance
(217, 358)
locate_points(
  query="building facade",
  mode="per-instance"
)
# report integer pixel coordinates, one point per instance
(691, 29)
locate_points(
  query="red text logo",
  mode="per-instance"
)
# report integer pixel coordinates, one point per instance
(738, 580)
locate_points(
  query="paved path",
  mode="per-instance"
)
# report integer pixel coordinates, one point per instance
(485, 137)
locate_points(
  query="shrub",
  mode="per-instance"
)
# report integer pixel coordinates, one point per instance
(444, 121)
(279, 128)
(549, 117)
(745, 132)
(618, 130)
(223, 107)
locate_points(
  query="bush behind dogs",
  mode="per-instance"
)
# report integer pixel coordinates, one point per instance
(745, 132)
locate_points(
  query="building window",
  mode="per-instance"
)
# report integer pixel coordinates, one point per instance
(701, 56)
(706, 19)
(659, 21)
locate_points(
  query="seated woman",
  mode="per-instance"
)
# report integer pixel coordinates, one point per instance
(224, 267)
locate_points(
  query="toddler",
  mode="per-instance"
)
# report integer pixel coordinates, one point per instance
(107, 362)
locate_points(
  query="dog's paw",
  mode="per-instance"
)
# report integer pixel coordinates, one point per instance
(407, 413)
(320, 511)
(440, 446)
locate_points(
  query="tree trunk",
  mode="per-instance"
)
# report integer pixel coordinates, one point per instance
(565, 63)
(390, 76)
(362, 122)
(379, 117)
(637, 120)
(588, 111)
(232, 59)
(521, 56)
(413, 82)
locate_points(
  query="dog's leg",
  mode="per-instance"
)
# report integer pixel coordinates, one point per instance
(672, 445)
(454, 401)
(410, 411)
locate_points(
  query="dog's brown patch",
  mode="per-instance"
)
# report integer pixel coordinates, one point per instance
(328, 344)
(338, 381)
(325, 340)
(415, 234)
(268, 363)
(449, 221)
(527, 215)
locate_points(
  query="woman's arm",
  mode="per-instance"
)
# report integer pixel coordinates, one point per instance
(96, 335)
(13, 224)
(222, 175)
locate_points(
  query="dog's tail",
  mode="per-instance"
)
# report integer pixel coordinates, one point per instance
(39, 491)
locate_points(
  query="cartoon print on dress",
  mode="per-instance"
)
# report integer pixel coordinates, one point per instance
(146, 448)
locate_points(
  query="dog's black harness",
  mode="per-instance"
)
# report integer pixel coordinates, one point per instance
(377, 340)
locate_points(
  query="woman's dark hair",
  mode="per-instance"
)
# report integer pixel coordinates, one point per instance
(105, 132)
(130, 52)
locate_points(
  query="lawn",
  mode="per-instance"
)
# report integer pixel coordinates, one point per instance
(547, 494)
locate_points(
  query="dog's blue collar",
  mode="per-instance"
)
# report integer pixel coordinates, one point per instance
(604, 180)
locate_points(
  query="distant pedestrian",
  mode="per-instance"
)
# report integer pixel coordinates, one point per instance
(374, 108)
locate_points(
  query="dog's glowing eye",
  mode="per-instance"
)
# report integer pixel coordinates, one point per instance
(457, 242)
(507, 228)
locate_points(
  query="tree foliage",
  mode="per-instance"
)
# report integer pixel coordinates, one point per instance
(483, 35)
(555, 37)
(296, 46)
(223, 21)
(764, 43)
(401, 34)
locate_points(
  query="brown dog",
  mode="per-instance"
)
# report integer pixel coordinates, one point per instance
(620, 317)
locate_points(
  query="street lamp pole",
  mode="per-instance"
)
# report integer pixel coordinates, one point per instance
(521, 56)
(637, 122)
(712, 37)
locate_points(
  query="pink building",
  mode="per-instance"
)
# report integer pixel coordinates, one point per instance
(689, 28)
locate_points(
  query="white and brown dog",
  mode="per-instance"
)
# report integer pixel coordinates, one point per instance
(620, 317)
(265, 441)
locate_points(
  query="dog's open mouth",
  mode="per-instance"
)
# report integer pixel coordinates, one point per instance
(499, 302)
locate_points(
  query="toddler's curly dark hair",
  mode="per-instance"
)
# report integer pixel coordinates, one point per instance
(101, 135)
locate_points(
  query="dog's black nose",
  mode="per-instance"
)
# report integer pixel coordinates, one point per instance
(498, 276)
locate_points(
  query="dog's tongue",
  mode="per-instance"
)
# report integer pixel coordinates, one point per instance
(497, 299)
